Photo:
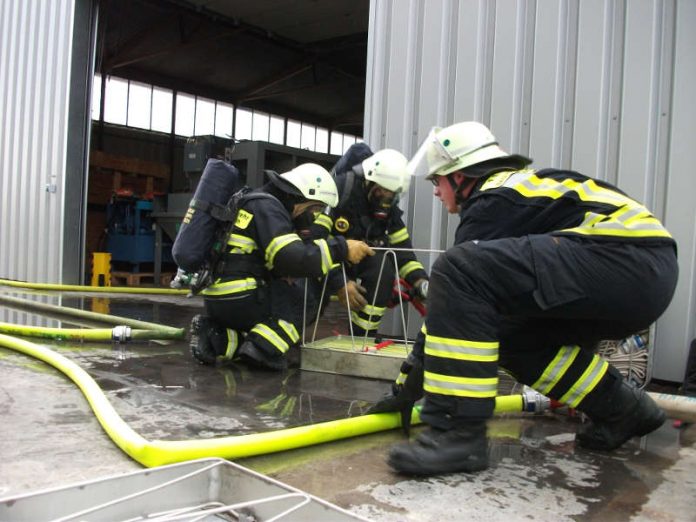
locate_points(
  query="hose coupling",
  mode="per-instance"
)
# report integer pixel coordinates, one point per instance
(121, 334)
(533, 401)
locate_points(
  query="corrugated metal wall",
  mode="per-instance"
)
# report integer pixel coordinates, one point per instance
(35, 44)
(599, 86)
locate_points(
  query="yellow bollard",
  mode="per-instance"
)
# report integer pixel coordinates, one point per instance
(101, 269)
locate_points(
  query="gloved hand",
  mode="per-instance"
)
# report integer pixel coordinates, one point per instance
(404, 393)
(420, 289)
(357, 250)
(354, 297)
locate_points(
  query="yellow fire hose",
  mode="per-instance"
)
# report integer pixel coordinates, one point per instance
(97, 289)
(175, 333)
(85, 334)
(159, 452)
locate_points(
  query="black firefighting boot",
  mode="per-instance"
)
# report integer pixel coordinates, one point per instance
(623, 413)
(254, 356)
(209, 343)
(202, 348)
(438, 451)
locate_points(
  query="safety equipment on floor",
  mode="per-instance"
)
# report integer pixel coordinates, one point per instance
(198, 231)
(352, 296)
(446, 150)
(438, 451)
(357, 251)
(387, 168)
(310, 181)
(405, 391)
(121, 334)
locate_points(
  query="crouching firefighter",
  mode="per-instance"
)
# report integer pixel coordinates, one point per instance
(370, 186)
(546, 263)
(255, 300)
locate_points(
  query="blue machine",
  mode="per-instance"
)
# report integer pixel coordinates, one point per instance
(130, 232)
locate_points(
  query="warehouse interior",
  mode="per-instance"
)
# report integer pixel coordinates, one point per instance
(300, 66)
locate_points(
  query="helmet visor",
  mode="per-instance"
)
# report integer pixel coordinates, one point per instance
(430, 158)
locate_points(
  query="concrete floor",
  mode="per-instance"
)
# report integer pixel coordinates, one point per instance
(49, 436)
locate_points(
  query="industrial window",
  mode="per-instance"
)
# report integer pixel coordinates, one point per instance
(294, 132)
(277, 130)
(116, 94)
(224, 113)
(243, 127)
(259, 130)
(139, 105)
(161, 119)
(185, 114)
(205, 117)
(149, 107)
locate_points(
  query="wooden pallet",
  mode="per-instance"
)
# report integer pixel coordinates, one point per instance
(139, 278)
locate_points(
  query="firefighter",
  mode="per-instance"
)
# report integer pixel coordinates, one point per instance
(369, 187)
(255, 303)
(546, 263)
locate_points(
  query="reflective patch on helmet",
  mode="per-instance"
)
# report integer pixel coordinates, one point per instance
(342, 225)
(243, 219)
(496, 180)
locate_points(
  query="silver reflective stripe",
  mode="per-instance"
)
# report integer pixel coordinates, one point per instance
(556, 369)
(276, 245)
(364, 323)
(461, 349)
(290, 330)
(410, 267)
(326, 260)
(271, 336)
(231, 287)
(232, 344)
(399, 236)
(242, 244)
(460, 386)
(586, 383)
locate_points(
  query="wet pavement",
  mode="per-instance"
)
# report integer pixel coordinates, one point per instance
(49, 436)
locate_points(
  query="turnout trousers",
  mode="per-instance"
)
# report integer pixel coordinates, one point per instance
(376, 274)
(271, 316)
(536, 306)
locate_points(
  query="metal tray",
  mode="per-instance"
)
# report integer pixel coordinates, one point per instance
(198, 490)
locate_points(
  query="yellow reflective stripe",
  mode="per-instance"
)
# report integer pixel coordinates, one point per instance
(556, 369)
(232, 343)
(271, 336)
(399, 236)
(631, 219)
(401, 378)
(461, 349)
(409, 267)
(460, 386)
(364, 323)
(326, 259)
(241, 244)
(276, 244)
(231, 287)
(324, 221)
(424, 329)
(586, 383)
(290, 330)
(373, 310)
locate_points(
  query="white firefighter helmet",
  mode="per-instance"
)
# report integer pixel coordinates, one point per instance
(387, 168)
(314, 182)
(453, 148)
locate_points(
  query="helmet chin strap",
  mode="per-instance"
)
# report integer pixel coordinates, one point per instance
(462, 189)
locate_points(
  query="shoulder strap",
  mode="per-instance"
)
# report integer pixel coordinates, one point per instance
(347, 189)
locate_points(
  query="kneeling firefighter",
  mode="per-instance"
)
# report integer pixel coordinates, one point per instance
(254, 303)
(531, 284)
(369, 186)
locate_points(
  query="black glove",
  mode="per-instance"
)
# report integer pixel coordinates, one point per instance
(404, 393)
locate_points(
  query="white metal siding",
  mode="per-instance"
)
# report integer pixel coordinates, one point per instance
(599, 86)
(35, 43)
